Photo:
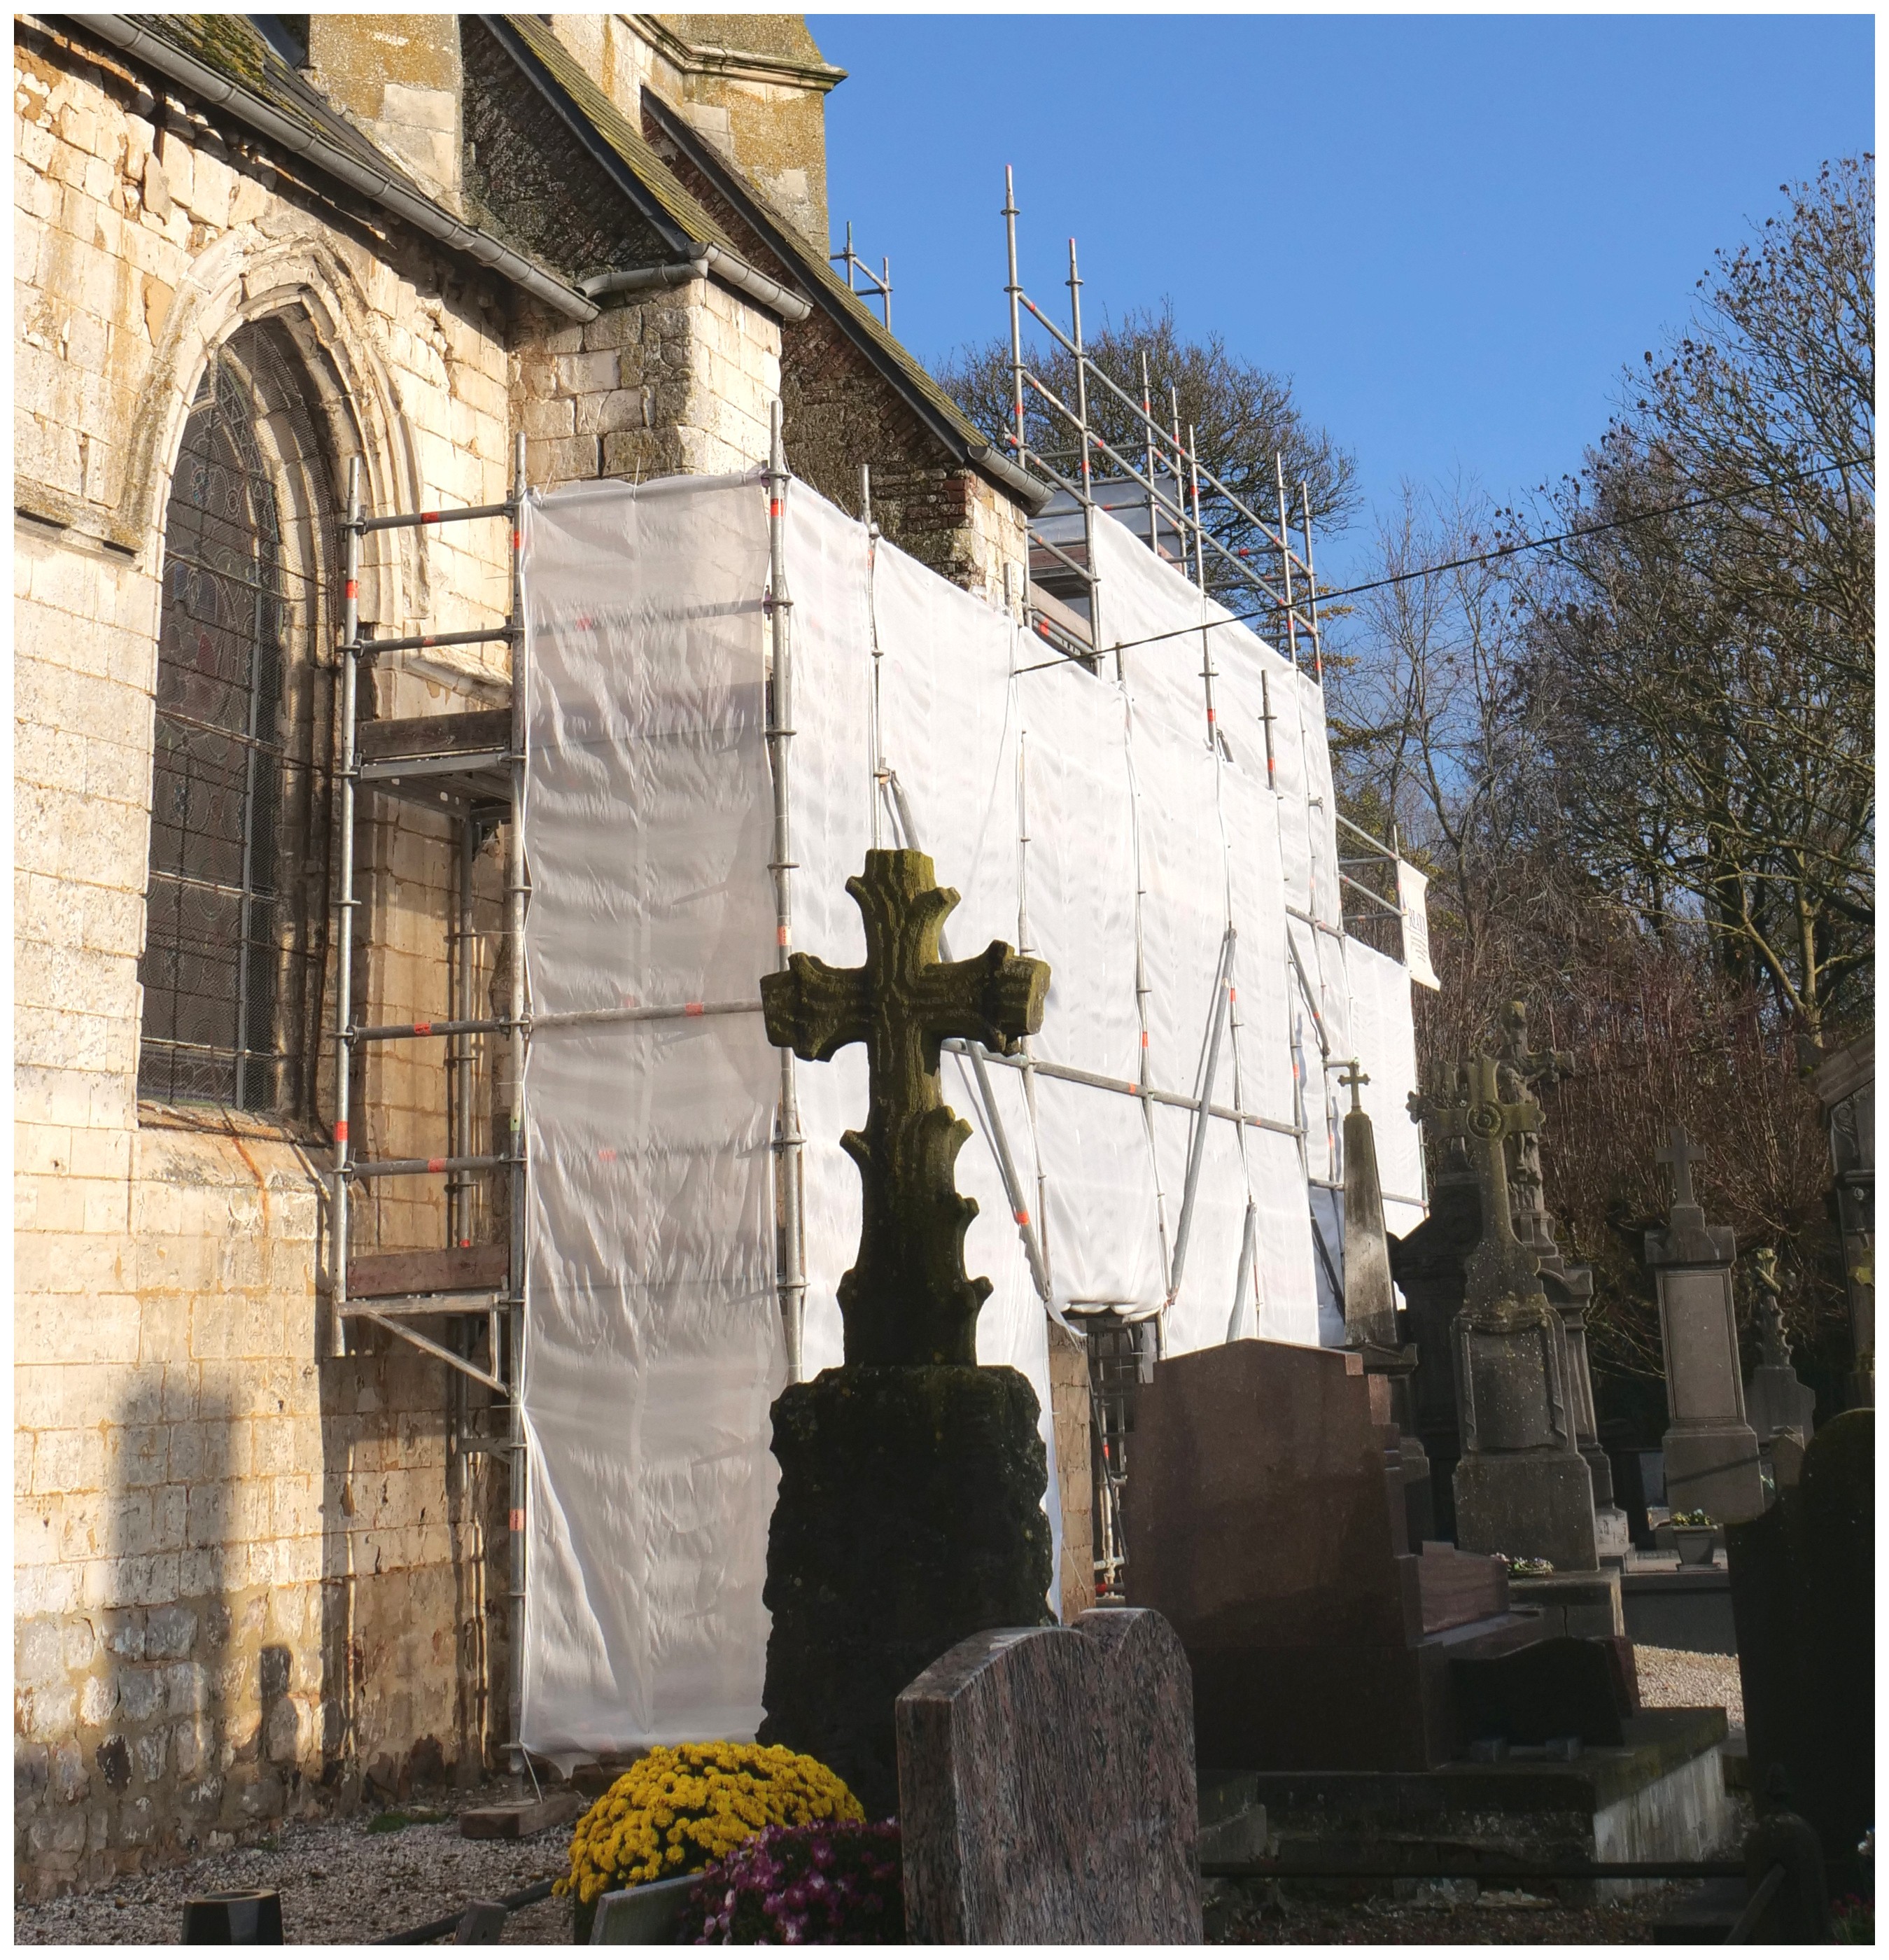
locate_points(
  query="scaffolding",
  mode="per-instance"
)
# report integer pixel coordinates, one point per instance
(470, 768)
(1163, 496)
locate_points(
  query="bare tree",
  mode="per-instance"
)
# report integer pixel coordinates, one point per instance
(1242, 416)
(1702, 661)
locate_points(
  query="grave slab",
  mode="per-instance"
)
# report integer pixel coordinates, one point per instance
(1047, 1788)
(1660, 1794)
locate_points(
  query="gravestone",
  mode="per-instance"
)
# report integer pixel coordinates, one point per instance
(1047, 1788)
(1521, 1486)
(1775, 1400)
(1803, 1599)
(1711, 1456)
(910, 1512)
(1370, 1302)
(1523, 1073)
(1266, 1525)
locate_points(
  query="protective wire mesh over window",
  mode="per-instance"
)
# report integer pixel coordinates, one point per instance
(230, 969)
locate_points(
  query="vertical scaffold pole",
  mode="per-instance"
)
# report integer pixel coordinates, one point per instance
(1180, 478)
(1015, 292)
(1311, 585)
(1082, 436)
(1147, 448)
(344, 907)
(779, 735)
(515, 875)
(1285, 560)
(460, 1192)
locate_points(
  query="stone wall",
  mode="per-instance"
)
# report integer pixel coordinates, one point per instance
(245, 1575)
(682, 382)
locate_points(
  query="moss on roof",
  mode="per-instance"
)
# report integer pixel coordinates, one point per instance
(229, 45)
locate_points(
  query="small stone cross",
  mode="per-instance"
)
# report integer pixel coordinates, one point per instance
(1539, 1068)
(1680, 1156)
(1478, 1114)
(906, 1302)
(1353, 1077)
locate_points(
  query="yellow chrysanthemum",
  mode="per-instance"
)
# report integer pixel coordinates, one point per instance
(678, 1810)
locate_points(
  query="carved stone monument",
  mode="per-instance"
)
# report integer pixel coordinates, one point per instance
(1522, 1073)
(1711, 1456)
(909, 1513)
(1775, 1399)
(1521, 1486)
(1046, 1788)
(1370, 1302)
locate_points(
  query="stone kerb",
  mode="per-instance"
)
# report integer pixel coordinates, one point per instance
(1047, 1788)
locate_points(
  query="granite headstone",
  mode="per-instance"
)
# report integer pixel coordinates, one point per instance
(1266, 1523)
(1046, 1788)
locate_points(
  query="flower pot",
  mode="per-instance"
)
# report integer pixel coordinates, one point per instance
(641, 1916)
(1694, 1543)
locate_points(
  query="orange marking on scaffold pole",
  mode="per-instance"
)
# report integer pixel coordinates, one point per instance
(340, 1131)
(353, 588)
(1022, 1218)
(429, 517)
(781, 934)
(436, 1163)
(692, 1007)
(422, 1027)
(517, 1520)
(775, 507)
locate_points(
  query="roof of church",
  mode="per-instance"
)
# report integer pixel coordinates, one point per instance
(829, 291)
(664, 201)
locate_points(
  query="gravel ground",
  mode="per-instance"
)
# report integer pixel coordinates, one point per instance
(344, 1883)
(341, 1883)
(1669, 1678)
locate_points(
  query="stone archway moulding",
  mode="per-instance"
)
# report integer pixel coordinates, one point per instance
(302, 278)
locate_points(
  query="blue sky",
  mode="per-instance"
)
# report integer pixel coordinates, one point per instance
(1450, 232)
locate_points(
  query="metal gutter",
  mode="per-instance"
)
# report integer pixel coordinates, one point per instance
(381, 186)
(709, 262)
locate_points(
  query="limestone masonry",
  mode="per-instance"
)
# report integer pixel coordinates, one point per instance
(249, 1578)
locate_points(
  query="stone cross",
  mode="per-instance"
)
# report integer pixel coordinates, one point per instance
(907, 1302)
(1523, 1071)
(1501, 1264)
(1681, 1155)
(1354, 1078)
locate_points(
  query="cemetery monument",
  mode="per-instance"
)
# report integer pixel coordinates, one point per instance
(1522, 1488)
(909, 1513)
(1711, 1456)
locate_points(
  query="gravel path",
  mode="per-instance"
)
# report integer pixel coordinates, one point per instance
(345, 1883)
(341, 1883)
(1670, 1678)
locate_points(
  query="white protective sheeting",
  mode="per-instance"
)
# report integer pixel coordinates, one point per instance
(1101, 822)
(653, 1343)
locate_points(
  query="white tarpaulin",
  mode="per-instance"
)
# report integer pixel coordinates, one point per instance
(1102, 821)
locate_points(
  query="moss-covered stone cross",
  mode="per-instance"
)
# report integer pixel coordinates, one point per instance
(907, 1302)
(1501, 1266)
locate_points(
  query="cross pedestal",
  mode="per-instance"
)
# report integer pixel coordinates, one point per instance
(910, 1508)
(1711, 1454)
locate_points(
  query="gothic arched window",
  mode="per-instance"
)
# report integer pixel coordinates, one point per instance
(234, 928)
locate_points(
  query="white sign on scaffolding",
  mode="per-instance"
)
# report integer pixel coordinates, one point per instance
(1411, 884)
